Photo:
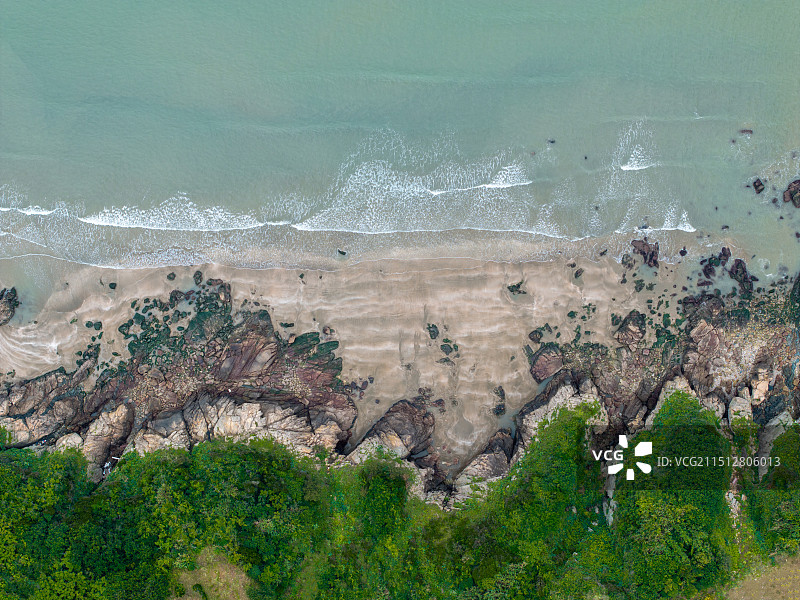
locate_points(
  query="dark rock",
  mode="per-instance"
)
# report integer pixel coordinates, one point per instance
(627, 261)
(499, 410)
(792, 193)
(723, 256)
(746, 131)
(770, 407)
(447, 349)
(341, 252)
(709, 271)
(559, 380)
(738, 273)
(112, 286)
(648, 251)
(578, 273)
(545, 362)
(8, 304)
(758, 186)
(175, 296)
(171, 277)
(516, 289)
(793, 302)
(433, 331)
(198, 277)
(683, 251)
(535, 336)
(632, 329)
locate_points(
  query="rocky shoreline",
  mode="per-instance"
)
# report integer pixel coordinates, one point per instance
(202, 366)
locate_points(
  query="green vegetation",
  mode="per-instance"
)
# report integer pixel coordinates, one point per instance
(775, 504)
(226, 517)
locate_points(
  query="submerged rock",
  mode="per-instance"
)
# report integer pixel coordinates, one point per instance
(738, 273)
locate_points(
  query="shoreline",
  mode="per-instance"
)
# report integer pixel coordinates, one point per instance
(458, 334)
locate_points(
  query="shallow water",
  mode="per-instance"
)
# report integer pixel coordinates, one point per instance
(154, 133)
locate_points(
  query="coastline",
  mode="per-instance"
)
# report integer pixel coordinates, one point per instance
(474, 373)
(379, 311)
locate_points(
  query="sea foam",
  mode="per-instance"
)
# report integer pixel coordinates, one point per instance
(176, 214)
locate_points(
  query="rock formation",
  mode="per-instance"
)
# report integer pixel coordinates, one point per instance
(648, 251)
(207, 378)
(632, 329)
(545, 362)
(8, 304)
(792, 193)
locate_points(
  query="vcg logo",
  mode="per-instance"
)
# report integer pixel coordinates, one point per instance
(641, 449)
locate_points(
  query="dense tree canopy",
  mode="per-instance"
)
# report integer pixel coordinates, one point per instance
(305, 528)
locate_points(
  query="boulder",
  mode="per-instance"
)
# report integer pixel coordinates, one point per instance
(792, 193)
(69, 441)
(545, 362)
(632, 329)
(8, 304)
(405, 430)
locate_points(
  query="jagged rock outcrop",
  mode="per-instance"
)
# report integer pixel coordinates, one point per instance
(562, 393)
(406, 432)
(38, 409)
(8, 304)
(793, 302)
(108, 431)
(208, 377)
(712, 364)
(168, 431)
(738, 272)
(489, 465)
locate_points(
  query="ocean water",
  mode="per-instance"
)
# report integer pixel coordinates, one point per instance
(263, 133)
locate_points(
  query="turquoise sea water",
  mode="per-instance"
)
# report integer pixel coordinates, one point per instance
(146, 132)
